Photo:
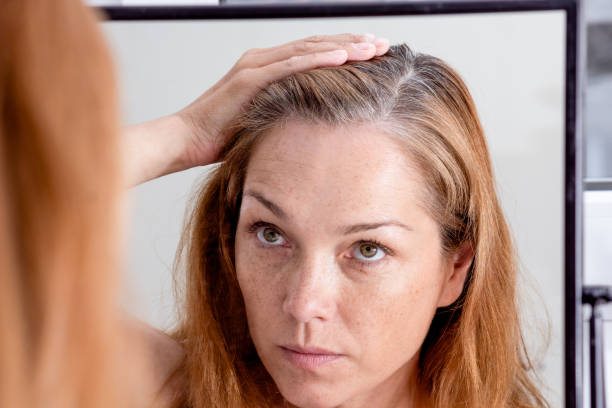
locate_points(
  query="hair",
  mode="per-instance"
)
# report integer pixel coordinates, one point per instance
(474, 354)
(59, 186)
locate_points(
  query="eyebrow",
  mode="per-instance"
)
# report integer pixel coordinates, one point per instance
(351, 229)
(275, 209)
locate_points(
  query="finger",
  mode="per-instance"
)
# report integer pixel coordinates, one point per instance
(345, 38)
(263, 76)
(357, 46)
(355, 52)
(382, 46)
(319, 43)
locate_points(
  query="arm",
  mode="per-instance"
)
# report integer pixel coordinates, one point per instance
(194, 136)
(153, 149)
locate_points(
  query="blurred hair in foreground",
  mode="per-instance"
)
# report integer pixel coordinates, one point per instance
(59, 209)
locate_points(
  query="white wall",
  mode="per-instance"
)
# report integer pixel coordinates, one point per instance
(513, 64)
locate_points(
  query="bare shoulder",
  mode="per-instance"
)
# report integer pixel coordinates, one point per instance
(163, 355)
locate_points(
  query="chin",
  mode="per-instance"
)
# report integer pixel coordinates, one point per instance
(310, 395)
(309, 401)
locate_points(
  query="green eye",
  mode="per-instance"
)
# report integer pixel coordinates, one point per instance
(368, 250)
(270, 236)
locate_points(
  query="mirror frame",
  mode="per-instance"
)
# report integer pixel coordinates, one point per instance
(573, 251)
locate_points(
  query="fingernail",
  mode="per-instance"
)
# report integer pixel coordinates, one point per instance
(369, 37)
(363, 45)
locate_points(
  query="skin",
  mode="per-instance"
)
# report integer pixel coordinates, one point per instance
(194, 136)
(302, 278)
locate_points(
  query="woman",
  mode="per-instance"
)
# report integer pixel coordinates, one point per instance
(351, 251)
(62, 343)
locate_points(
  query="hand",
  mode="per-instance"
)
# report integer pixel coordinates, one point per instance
(215, 109)
(194, 135)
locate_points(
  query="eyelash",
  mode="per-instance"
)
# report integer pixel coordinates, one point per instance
(258, 224)
(364, 264)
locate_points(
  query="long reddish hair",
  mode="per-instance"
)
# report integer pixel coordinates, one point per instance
(474, 355)
(59, 211)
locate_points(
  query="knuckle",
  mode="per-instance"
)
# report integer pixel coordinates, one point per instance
(250, 52)
(302, 47)
(353, 38)
(345, 37)
(243, 77)
(238, 66)
(315, 38)
(245, 57)
(293, 62)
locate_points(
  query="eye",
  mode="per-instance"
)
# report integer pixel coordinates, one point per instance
(368, 251)
(270, 236)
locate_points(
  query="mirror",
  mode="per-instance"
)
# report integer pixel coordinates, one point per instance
(513, 64)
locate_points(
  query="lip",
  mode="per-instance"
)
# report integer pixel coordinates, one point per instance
(309, 358)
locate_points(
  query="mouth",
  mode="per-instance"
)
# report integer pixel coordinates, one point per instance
(309, 358)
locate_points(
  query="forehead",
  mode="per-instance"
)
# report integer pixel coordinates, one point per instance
(343, 168)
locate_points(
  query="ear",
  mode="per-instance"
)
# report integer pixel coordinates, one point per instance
(457, 268)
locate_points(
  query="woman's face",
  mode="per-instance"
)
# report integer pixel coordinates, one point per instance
(340, 268)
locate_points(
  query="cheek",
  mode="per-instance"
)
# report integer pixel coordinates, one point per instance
(257, 281)
(395, 317)
(246, 266)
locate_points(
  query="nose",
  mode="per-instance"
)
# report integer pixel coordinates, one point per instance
(311, 290)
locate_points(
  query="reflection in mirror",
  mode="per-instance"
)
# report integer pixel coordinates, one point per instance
(514, 72)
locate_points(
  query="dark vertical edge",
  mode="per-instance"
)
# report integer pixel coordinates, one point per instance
(573, 208)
